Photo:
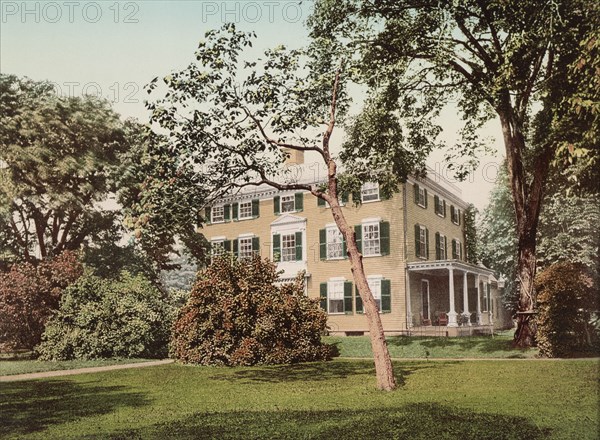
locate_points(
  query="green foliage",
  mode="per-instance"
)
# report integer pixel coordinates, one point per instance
(29, 295)
(471, 234)
(568, 310)
(100, 318)
(59, 157)
(237, 315)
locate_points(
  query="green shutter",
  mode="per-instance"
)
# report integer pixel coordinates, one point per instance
(323, 244)
(276, 248)
(227, 246)
(417, 240)
(255, 208)
(425, 197)
(207, 217)
(276, 205)
(299, 201)
(298, 246)
(444, 208)
(452, 209)
(344, 247)
(416, 187)
(236, 252)
(458, 216)
(345, 197)
(382, 194)
(438, 249)
(358, 235)
(427, 243)
(359, 305)
(436, 201)
(384, 238)
(255, 245)
(320, 202)
(453, 249)
(445, 248)
(348, 297)
(227, 212)
(386, 296)
(235, 209)
(323, 296)
(460, 252)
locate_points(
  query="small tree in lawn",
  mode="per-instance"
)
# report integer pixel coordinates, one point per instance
(242, 118)
(237, 315)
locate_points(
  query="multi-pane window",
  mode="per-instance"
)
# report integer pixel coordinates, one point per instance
(370, 236)
(217, 214)
(370, 191)
(375, 286)
(455, 215)
(442, 247)
(287, 203)
(217, 247)
(422, 197)
(245, 247)
(288, 247)
(422, 241)
(440, 206)
(334, 244)
(456, 249)
(335, 296)
(245, 210)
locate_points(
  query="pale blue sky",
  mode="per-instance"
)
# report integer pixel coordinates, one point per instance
(115, 48)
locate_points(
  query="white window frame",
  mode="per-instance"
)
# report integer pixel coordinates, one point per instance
(248, 251)
(222, 216)
(442, 246)
(240, 210)
(285, 251)
(368, 189)
(422, 242)
(439, 208)
(366, 225)
(330, 231)
(374, 282)
(422, 200)
(287, 199)
(458, 245)
(217, 241)
(335, 292)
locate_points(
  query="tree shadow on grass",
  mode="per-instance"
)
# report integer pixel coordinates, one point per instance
(482, 344)
(30, 406)
(415, 421)
(317, 371)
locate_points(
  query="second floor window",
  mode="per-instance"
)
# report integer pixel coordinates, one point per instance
(456, 249)
(335, 244)
(370, 192)
(245, 210)
(421, 242)
(370, 238)
(218, 214)
(288, 247)
(455, 215)
(440, 206)
(288, 203)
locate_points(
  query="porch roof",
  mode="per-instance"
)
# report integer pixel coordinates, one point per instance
(431, 267)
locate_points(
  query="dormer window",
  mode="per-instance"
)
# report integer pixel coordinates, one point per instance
(370, 192)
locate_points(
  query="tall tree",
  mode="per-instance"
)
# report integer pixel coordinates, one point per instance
(504, 58)
(235, 122)
(57, 162)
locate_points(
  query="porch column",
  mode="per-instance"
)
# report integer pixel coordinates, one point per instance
(466, 312)
(452, 313)
(479, 322)
(489, 295)
(409, 321)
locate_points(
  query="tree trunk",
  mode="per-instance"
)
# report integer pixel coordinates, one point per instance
(526, 325)
(383, 363)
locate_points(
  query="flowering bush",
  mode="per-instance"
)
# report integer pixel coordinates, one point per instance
(568, 306)
(103, 318)
(237, 315)
(29, 295)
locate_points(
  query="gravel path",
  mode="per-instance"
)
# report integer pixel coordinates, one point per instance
(45, 374)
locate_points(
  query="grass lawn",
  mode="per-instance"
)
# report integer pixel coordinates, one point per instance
(498, 346)
(18, 366)
(440, 399)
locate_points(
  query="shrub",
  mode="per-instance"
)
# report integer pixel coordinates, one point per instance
(237, 315)
(29, 295)
(567, 304)
(102, 318)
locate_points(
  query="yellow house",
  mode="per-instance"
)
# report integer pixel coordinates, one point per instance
(413, 246)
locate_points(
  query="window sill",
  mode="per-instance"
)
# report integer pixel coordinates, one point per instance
(372, 255)
(454, 223)
(440, 215)
(335, 259)
(370, 201)
(422, 206)
(336, 313)
(217, 222)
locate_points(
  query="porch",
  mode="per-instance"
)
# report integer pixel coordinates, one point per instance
(449, 298)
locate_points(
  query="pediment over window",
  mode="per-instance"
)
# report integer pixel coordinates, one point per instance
(286, 219)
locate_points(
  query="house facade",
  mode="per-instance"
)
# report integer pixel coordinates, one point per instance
(413, 245)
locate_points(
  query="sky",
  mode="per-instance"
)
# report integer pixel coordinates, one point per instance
(114, 48)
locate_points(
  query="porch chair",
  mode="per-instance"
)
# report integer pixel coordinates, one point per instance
(442, 319)
(425, 321)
